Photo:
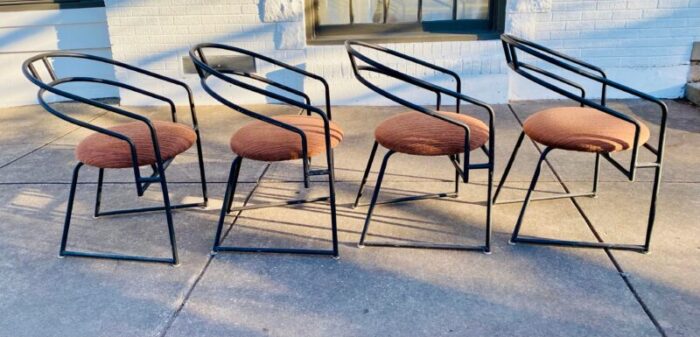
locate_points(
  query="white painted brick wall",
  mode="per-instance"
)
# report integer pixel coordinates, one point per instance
(643, 43)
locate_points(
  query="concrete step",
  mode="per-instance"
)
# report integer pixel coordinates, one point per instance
(692, 92)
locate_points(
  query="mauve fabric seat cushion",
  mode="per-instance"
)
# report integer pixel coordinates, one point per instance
(100, 150)
(263, 141)
(582, 129)
(420, 134)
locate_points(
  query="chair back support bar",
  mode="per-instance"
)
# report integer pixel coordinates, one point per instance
(511, 46)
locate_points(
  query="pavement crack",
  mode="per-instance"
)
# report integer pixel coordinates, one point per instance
(599, 238)
(171, 320)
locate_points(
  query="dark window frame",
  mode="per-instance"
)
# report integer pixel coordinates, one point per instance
(34, 5)
(426, 31)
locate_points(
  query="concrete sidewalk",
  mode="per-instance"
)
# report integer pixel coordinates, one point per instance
(516, 291)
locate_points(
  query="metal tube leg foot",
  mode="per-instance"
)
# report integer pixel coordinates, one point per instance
(533, 184)
(69, 209)
(366, 174)
(375, 195)
(228, 200)
(509, 165)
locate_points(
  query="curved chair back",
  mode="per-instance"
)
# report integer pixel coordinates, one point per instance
(205, 71)
(373, 65)
(53, 85)
(512, 45)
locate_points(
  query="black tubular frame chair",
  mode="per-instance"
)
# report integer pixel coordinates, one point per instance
(511, 44)
(142, 183)
(461, 170)
(205, 71)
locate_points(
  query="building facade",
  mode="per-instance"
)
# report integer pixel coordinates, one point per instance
(642, 43)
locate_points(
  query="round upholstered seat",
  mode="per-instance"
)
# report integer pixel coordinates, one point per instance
(105, 151)
(582, 129)
(420, 134)
(263, 141)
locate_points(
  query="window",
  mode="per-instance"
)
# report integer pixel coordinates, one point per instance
(30, 5)
(334, 21)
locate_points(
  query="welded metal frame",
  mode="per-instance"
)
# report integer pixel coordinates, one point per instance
(142, 183)
(205, 72)
(511, 45)
(371, 65)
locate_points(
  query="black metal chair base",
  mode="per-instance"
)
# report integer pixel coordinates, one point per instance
(515, 238)
(577, 244)
(120, 257)
(167, 208)
(486, 248)
(227, 208)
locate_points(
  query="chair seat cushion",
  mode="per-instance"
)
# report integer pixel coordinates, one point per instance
(582, 129)
(263, 141)
(105, 151)
(420, 134)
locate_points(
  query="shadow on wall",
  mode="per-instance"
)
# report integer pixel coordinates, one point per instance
(30, 32)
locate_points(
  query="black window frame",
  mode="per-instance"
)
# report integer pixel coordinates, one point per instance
(425, 31)
(34, 5)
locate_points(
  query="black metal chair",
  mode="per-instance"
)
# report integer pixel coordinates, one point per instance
(593, 127)
(131, 145)
(273, 139)
(425, 132)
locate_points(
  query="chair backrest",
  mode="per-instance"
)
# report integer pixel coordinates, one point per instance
(512, 45)
(206, 70)
(54, 82)
(362, 62)
(373, 65)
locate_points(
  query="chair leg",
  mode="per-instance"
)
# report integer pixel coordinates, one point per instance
(533, 184)
(202, 175)
(652, 208)
(596, 175)
(98, 194)
(69, 209)
(489, 205)
(509, 165)
(168, 213)
(331, 191)
(233, 175)
(375, 195)
(457, 176)
(366, 174)
(228, 200)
